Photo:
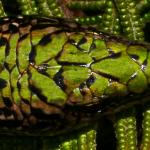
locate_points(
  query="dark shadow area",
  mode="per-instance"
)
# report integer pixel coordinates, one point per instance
(147, 32)
(106, 135)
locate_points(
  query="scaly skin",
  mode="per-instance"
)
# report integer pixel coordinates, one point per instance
(56, 74)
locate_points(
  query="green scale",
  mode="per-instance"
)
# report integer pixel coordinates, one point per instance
(56, 75)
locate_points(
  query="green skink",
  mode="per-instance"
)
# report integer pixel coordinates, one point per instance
(55, 74)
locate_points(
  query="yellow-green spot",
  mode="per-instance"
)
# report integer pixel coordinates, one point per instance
(6, 91)
(115, 88)
(99, 86)
(100, 50)
(69, 49)
(86, 46)
(76, 58)
(139, 83)
(122, 67)
(11, 58)
(47, 88)
(72, 55)
(139, 51)
(76, 37)
(2, 56)
(53, 67)
(116, 47)
(51, 49)
(24, 87)
(13, 81)
(74, 76)
(24, 48)
(37, 35)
